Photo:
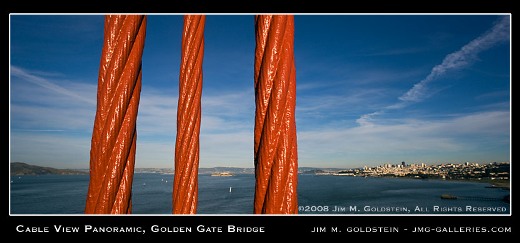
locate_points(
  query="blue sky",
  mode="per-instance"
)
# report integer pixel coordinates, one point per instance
(371, 89)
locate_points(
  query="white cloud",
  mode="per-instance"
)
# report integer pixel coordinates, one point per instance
(51, 122)
(53, 119)
(461, 58)
(228, 112)
(466, 136)
(47, 84)
(226, 136)
(456, 60)
(366, 119)
(354, 99)
(70, 118)
(40, 103)
(157, 114)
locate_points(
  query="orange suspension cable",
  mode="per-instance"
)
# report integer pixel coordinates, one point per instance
(185, 186)
(112, 152)
(276, 158)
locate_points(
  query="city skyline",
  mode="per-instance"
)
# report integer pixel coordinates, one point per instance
(370, 89)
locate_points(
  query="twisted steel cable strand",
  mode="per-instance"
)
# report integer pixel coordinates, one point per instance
(185, 186)
(275, 142)
(112, 153)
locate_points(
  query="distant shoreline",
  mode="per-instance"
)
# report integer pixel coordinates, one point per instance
(498, 184)
(20, 168)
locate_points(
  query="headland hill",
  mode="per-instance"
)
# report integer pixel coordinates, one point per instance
(20, 168)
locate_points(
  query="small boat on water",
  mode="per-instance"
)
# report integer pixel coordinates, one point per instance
(448, 196)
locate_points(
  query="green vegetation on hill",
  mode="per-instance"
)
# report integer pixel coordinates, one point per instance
(19, 168)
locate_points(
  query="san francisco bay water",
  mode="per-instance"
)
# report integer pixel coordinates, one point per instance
(66, 194)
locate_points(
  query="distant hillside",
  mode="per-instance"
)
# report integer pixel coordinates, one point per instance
(19, 168)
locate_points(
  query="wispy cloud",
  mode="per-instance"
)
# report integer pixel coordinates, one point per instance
(470, 137)
(39, 103)
(226, 137)
(51, 118)
(157, 112)
(461, 58)
(493, 94)
(47, 84)
(321, 110)
(454, 61)
(51, 122)
(225, 149)
(52, 114)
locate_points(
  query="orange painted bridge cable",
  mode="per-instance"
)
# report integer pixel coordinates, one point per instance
(112, 152)
(275, 144)
(185, 186)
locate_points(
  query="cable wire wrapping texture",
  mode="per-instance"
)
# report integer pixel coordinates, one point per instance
(276, 155)
(112, 152)
(185, 186)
